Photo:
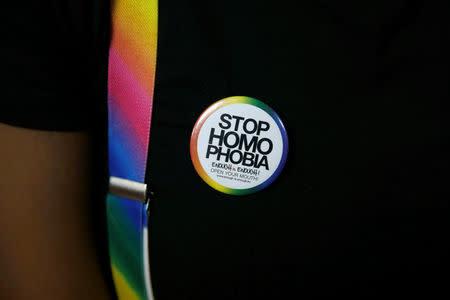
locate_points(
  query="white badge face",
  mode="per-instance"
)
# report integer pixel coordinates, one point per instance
(239, 145)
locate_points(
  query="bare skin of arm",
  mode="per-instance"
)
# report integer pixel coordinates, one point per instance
(46, 249)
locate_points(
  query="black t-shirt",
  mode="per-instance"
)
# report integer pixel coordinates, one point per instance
(361, 207)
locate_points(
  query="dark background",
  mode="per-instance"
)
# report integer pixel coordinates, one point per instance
(361, 209)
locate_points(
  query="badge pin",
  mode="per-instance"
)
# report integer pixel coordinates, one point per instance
(239, 145)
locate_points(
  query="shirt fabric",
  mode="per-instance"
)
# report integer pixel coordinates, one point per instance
(361, 207)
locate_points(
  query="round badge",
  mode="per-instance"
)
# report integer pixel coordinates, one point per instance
(239, 145)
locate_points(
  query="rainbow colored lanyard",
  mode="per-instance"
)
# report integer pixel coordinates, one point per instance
(131, 76)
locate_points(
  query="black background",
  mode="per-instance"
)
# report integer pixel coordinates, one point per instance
(361, 209)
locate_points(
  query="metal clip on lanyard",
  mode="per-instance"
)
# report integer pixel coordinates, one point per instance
(125, 188)
(131, 76)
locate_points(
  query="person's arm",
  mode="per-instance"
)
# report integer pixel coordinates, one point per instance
(46, 249)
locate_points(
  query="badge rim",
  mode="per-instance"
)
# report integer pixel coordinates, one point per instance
(199, 124)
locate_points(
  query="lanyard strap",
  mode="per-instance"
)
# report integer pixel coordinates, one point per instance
(131, 77)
